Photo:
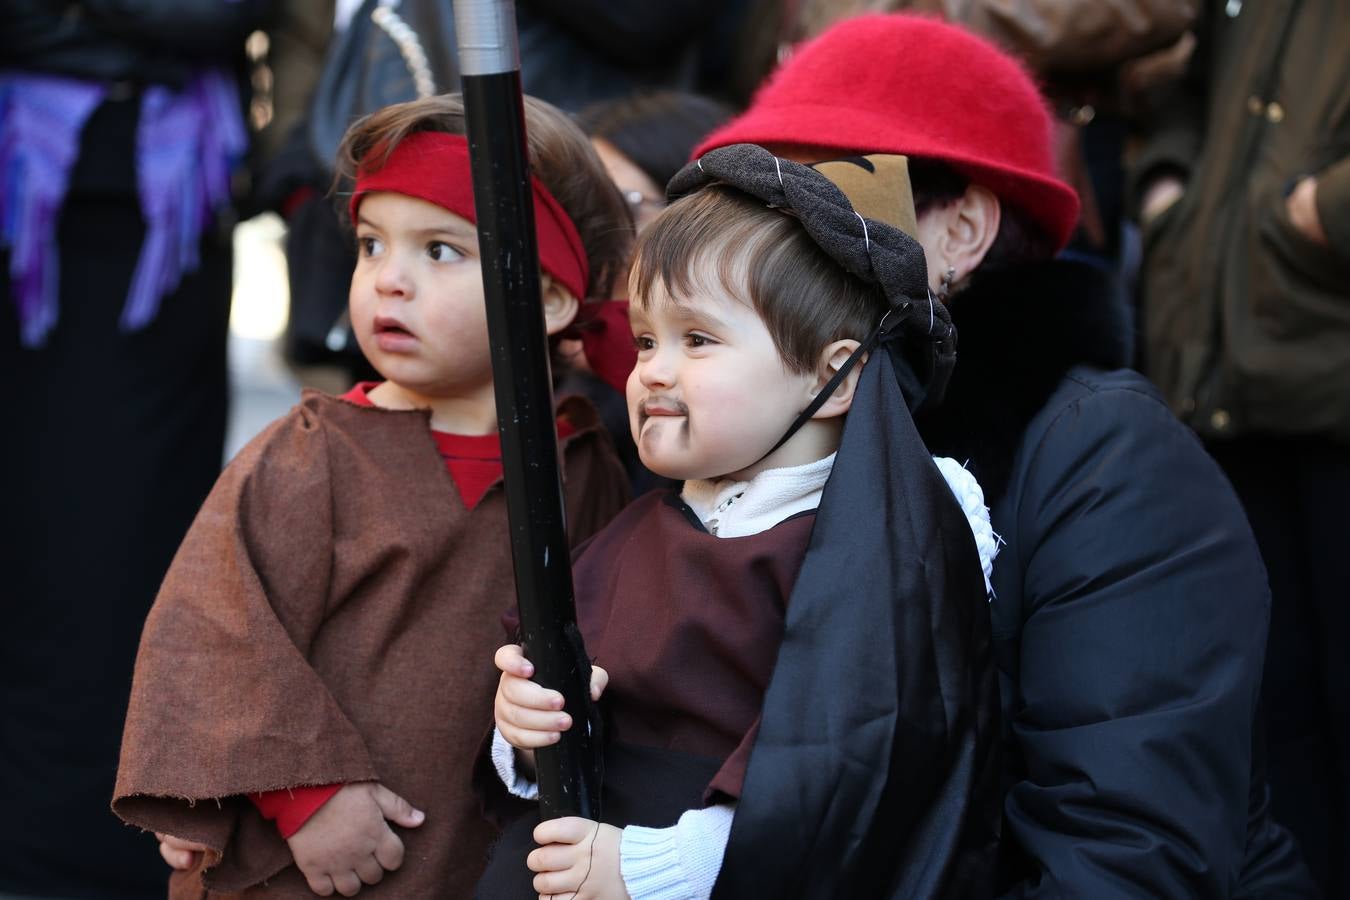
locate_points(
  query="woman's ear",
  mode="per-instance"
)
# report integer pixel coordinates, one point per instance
(560, 307)
(831, 360)
(958, 235)
(972, 230)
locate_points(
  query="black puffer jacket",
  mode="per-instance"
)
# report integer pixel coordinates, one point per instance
(1131, 607)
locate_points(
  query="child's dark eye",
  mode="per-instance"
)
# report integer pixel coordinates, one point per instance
(642, 342)
(443, 252)
(698, 340)
(369, 246)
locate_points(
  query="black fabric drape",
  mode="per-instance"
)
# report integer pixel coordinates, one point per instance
(875, 770)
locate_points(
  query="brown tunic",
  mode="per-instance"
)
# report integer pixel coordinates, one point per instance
(331, 617)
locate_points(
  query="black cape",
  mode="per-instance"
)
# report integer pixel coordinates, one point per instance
(875, 770)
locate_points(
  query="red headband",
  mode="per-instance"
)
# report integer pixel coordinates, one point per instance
(434, 166)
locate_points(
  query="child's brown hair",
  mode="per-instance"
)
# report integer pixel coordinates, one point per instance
(561, 157)
(762, 256)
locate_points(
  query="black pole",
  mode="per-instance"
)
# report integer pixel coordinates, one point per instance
(494, 109)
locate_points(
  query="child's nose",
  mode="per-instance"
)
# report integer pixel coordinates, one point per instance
(392, 277)
(657, 371)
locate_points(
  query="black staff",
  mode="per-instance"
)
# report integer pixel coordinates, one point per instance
(489, 61)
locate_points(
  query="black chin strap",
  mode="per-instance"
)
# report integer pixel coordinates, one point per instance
(837, 379)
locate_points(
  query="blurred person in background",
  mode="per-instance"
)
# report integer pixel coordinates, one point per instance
(577, 52)
(643, 139)
(1245, 194)
(1129, 603)
(121, 133)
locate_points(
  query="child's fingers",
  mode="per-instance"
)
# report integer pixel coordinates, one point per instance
(599, 681)
(177, 859)
(396, 809)
(527, 740)
(369, 870)
(567, 830)
(551, 858)
(389, 852)
(179, 843)
(559, 884)
(510, 658)
(524, 692)
(177, 852)
(320, 884)
(347, 884)
(524, 732)
(525, 719)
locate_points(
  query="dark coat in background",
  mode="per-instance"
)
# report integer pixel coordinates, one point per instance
(113, 439)
(144, 41)
(1247, 333)
(1131, 607)
(1247, 321)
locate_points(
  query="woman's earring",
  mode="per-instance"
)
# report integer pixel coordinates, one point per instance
(945, 287)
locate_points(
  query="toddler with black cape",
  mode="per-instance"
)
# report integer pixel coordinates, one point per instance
(863, 763)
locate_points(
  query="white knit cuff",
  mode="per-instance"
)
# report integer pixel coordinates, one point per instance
(676, 863)
(504, 761)
(970, 495)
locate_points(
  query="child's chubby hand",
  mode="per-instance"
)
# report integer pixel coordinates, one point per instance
(529, 715)
(179, 853)
(347, 843)
(577, 859)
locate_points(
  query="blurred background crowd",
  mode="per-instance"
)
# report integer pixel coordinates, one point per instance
(175, 268)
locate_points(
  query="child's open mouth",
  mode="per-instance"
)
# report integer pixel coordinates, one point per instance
(393, 336)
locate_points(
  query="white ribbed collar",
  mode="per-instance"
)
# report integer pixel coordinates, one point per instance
(738, 508)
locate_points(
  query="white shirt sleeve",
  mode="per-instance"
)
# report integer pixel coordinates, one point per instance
(504, 761)
(681, 862)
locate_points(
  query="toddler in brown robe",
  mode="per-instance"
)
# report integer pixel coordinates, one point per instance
(318, 653)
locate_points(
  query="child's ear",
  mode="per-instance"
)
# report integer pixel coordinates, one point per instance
(560, 307)
(831, 360)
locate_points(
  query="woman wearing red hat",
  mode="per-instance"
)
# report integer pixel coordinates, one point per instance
(1131, 604)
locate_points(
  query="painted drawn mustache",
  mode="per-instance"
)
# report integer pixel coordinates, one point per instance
(660, 406)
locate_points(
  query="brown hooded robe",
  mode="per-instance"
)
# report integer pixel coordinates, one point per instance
(331, 618)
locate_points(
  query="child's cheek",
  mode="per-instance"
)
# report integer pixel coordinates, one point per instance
(724, 412)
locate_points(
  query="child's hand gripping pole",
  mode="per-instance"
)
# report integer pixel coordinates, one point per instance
(489, 59)
(528, 715)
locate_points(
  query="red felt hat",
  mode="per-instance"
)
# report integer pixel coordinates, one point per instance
(916, 86)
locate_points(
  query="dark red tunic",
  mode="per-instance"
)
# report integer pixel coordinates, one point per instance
(688, 626)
